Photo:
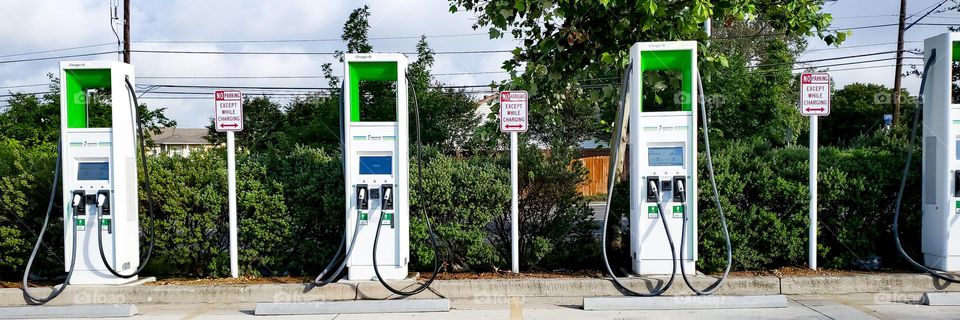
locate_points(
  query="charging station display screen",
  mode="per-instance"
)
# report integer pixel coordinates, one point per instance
(376, 165)
(93, 171)
(665, 156)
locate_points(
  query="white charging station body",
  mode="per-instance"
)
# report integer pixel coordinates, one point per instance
(941, 157)
(99, 161)
(663, 148)
(376, 168)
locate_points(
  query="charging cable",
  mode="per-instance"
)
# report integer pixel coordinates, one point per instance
(906, 172)
(146, 172)
(31, 299)
(622, 116)
(711, 289)
(426, 218)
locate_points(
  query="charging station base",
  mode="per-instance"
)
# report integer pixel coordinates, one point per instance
(71, 311)
(684, 302)
(352, 307)
(941, 299)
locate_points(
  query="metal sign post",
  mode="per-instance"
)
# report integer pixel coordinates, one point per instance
(814, 102)
(513, 119)
(228, 117)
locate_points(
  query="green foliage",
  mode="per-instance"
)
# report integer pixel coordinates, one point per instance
(857, 109)
(461, 198)
(290, 212)
(312, 188)
(313, 121)
(764, 193)
(571, 46)
(190, 203)
(25, 176)
(262, 130)
(745, 103)
(556, 227)
(30, 119)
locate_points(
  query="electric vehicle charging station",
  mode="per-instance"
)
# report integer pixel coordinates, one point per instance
(941, 157)
(376, 171)
(940, 184)
(663, 186)
(99, 172)
(99, 185)
(376, 165)
(663, 146)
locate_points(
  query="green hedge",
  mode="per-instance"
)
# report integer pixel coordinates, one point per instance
(290, 207)
(766, 199)
(25, 175)
(461, 199)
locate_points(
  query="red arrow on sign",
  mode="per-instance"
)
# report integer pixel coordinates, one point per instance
(815, 109)
(224, 125)
(519, 126)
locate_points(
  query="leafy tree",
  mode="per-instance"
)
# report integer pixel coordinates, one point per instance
(314, 120)
(759, 102)
(447, 115)
(569, 42)
(857, 109)
(31, 120)
(263, 126)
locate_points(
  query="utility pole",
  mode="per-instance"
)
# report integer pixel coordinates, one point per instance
(126, 31)
(899, 68)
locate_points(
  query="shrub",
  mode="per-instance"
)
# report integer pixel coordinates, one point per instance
(556, 227)
(461, 199)
(25, 177)
(312, 182)
(764, 191)
(192, 236)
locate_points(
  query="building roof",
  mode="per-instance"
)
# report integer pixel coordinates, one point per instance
(181, 136)
(484, 106)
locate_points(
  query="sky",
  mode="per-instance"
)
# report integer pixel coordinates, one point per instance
(858, 13)
(41, 25)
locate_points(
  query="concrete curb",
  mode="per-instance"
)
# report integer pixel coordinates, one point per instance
(481, 289)
(879, 283)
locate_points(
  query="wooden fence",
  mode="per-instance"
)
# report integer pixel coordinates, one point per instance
(597, 170)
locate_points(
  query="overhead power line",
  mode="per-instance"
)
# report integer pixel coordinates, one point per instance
(218, 86)
(839, 64)
(291, 91)
(58, 57)
(827, 59)
(842, 47)
(297, 77)
(925, 15)
(309, 40)
(55, 50)
(25, 86)
(302, 53)
(765, 35)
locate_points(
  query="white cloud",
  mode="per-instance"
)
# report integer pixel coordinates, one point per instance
(49, 24)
